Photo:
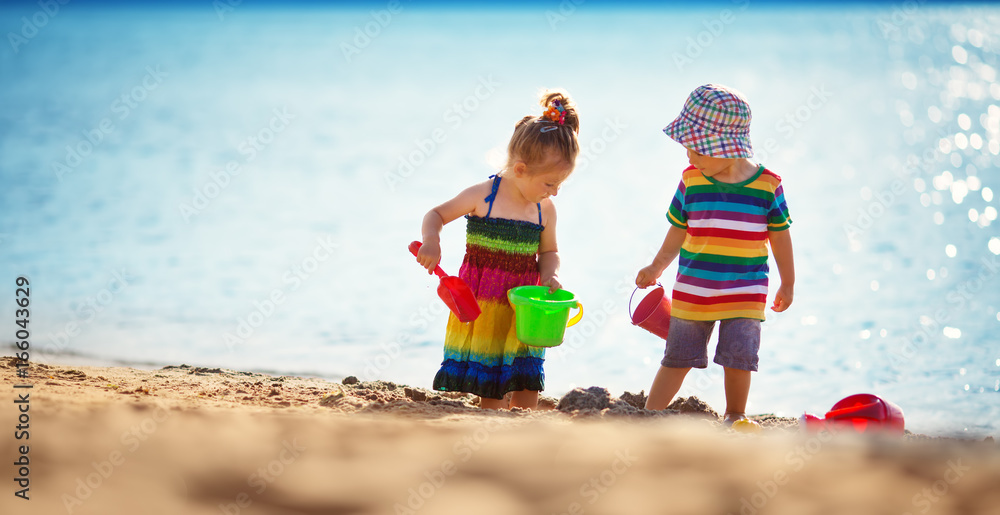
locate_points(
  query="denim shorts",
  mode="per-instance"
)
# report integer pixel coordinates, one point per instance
(687, 343)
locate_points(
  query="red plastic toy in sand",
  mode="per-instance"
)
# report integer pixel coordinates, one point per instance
(863, 413)
(454, 292)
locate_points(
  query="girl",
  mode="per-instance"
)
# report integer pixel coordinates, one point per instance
(510, 241)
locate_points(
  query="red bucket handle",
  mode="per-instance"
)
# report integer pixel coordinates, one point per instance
(632, 297)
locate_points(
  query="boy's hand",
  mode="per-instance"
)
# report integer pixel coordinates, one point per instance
(429, 255)
(553, 284)
(648, 276)
(782, 299)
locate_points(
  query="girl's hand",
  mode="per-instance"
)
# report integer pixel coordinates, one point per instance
(648, 276)
(783, 298)
(429, 255)
(553, 284)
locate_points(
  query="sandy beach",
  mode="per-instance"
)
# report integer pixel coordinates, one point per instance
(188, 440)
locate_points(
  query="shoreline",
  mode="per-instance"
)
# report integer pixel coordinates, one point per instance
(184, 439)
(357, 394)
(81, 360)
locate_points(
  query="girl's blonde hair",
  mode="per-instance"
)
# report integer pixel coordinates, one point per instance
(534, 135)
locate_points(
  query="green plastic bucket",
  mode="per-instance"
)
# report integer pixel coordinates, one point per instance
(540, 317)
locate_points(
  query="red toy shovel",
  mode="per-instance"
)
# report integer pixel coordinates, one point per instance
(454, 292)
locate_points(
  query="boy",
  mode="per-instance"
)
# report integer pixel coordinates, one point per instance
(725, 211)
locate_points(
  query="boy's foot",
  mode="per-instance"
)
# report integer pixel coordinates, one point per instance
(733, 417)
(740, 423)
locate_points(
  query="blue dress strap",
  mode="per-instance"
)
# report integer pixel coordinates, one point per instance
(493, 194)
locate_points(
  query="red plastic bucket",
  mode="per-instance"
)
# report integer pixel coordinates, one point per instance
(866, 412)
(863, 412)
(653, 312)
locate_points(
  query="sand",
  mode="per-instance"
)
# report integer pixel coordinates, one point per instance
(188, 440)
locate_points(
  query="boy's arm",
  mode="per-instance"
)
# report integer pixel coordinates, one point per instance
(548, 251)
(668, 251)
(781, 247)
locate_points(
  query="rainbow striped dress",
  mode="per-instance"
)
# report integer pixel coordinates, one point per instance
(484, 357)
(722, 267)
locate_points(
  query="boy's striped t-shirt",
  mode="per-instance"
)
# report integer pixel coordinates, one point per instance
(722, 267)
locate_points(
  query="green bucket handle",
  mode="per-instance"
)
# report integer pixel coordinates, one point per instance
(576, 318)
(562, 304)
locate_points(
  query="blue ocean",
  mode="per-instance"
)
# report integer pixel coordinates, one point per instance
(234, 185)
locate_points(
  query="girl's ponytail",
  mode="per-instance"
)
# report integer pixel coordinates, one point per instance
(556, 129)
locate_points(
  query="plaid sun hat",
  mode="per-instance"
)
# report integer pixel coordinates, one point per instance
(715, 122)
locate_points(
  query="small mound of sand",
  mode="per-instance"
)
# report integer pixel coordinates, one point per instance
(693, 406)
(415, 394)
(595, 398)
(354, 396)
(597, 402)
(546, 403)
(773, 421)
(636, 400)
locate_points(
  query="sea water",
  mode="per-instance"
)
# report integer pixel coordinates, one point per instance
(237, 187)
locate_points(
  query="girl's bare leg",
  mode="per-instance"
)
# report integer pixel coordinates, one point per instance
(487, 403)
(524, 399)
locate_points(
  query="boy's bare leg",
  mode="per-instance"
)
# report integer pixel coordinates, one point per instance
(524, 399)
(737, 390)
(665, 385)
